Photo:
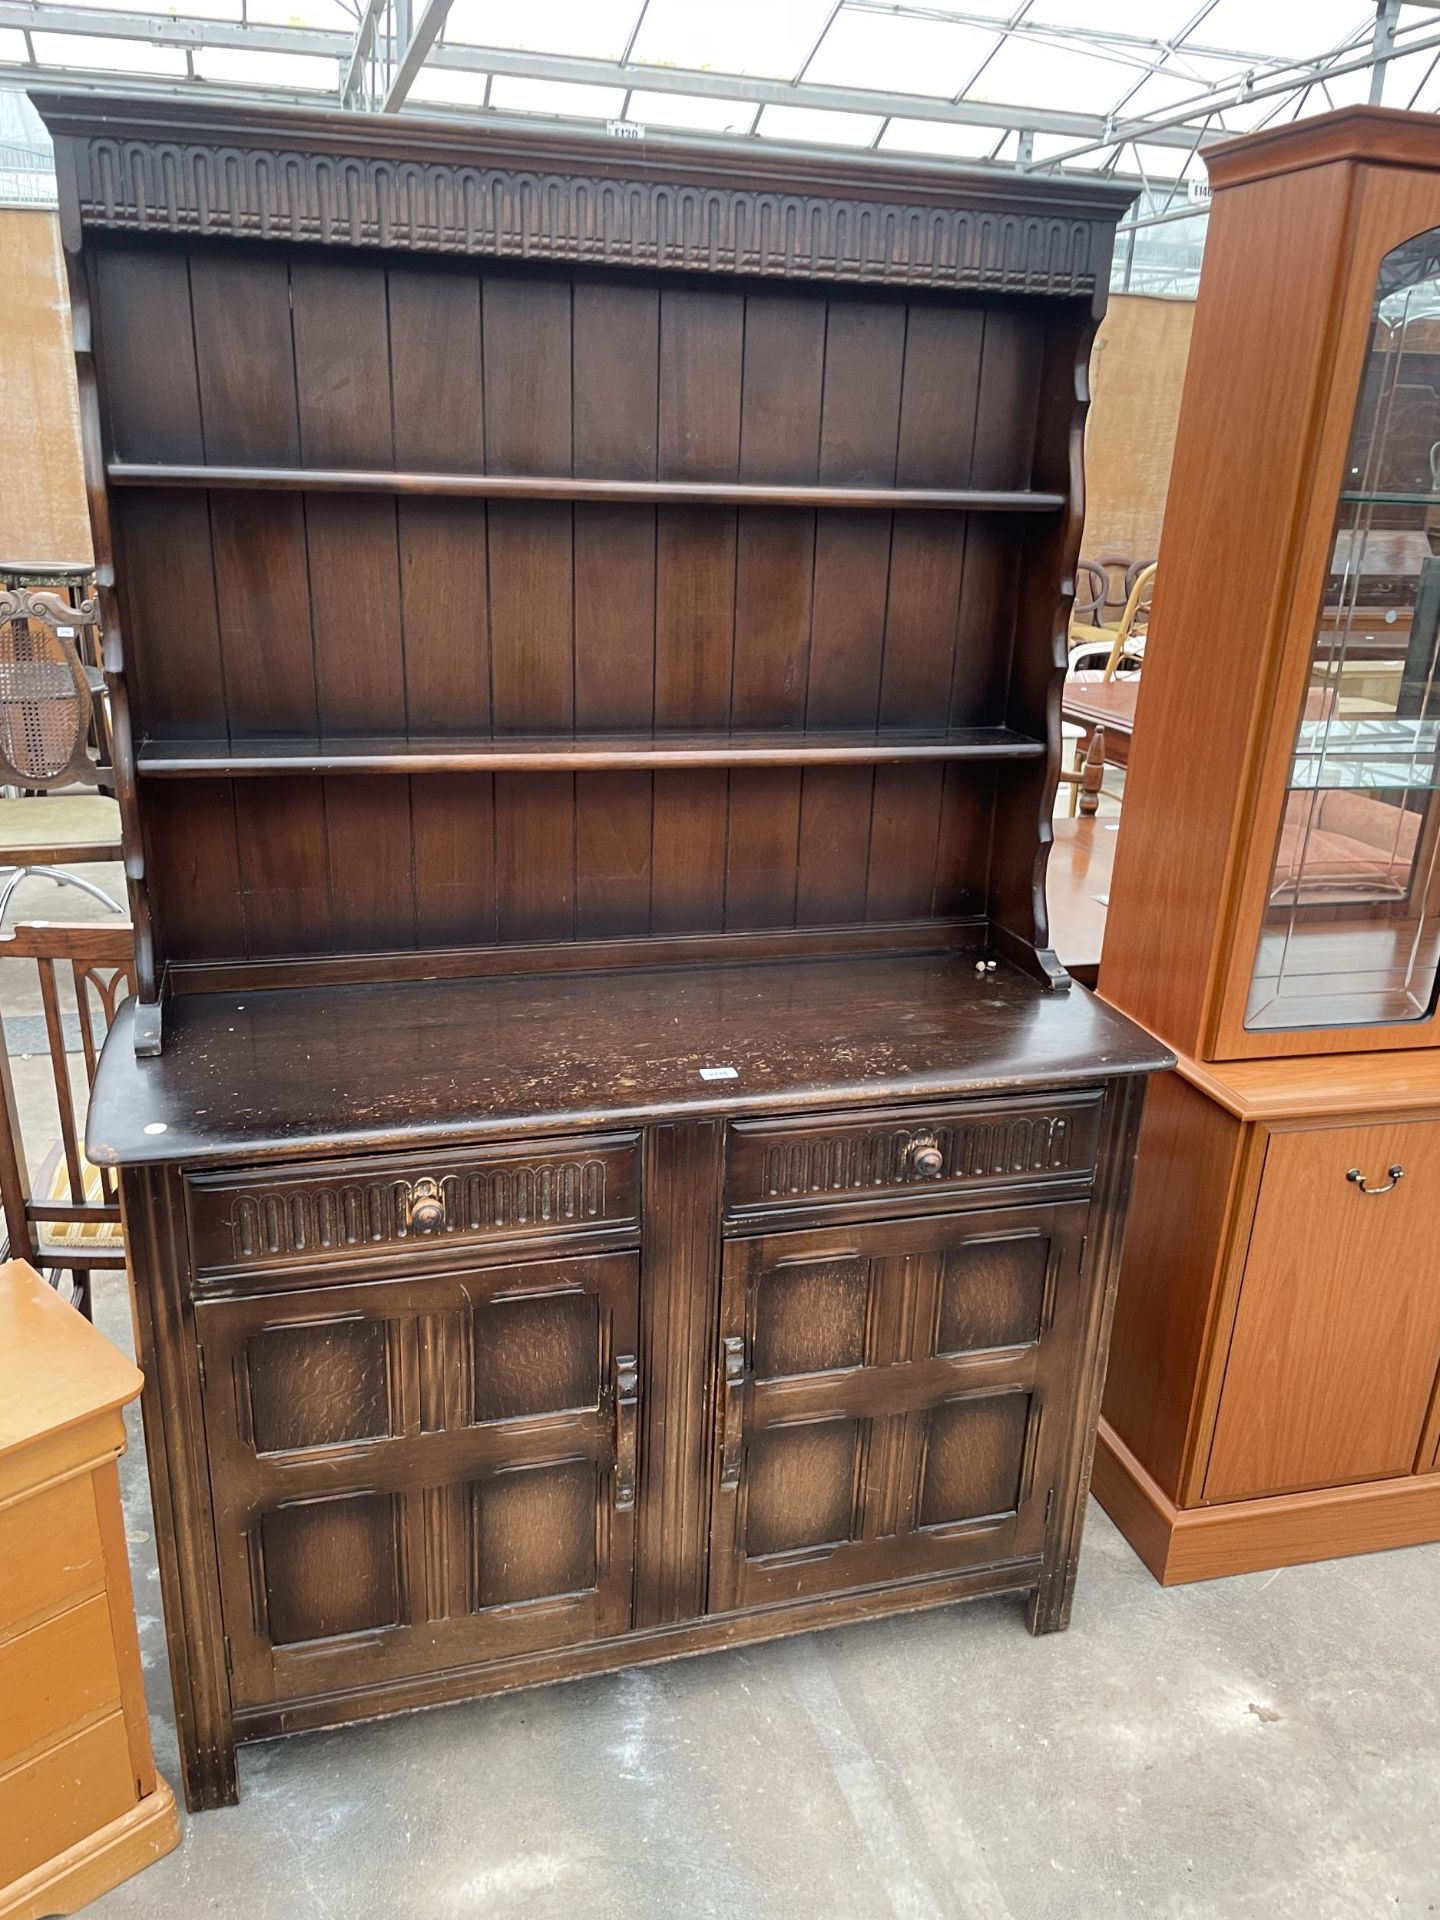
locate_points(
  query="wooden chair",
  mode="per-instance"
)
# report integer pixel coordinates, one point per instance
(48, 708)
(1111, 645)
(46, 699)
(1086, 778)
(1116, 569)
(66, 1221)
(1090, 589)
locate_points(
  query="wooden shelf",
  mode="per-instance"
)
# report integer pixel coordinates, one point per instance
(544, 753)
(505, 486)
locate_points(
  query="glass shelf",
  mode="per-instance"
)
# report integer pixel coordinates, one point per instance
(1364, 497)
(1367, 756)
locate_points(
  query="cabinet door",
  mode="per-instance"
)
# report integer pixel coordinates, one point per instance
(411, 1475)
(891, 1401)
(1337, 1334)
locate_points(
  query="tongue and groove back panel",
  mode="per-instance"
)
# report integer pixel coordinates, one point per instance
(314, 617)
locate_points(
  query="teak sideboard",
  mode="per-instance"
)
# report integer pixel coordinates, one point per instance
(610, 1163)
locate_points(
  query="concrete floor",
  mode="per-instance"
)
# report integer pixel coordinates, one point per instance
(1266, 1747)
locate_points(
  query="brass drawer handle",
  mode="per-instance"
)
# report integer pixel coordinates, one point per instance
(1396, 1173)
(427, 1208)
(627, 1378)
(732, 1419)
(926, 1159)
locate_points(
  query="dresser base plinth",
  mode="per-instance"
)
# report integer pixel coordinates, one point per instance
(1181, 1544)
(100, 1861)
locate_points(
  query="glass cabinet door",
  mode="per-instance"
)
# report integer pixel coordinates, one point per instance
(1351, 932)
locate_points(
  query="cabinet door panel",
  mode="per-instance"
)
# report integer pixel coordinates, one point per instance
(881, 1406)
(1337, 1334)
(974, 1448)
(411, 1474)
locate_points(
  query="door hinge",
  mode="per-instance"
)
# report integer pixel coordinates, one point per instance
(200, 1363)
(229, 1655)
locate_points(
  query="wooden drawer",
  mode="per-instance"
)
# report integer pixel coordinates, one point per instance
(55, 1678)
(50, 1553)
(65, 1795)
(913, 1156)
(246, 1220)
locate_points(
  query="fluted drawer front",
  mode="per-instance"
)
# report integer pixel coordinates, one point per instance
(248, 1220)
(914, 1153)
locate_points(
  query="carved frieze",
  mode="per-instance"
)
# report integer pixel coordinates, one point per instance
(433, 206)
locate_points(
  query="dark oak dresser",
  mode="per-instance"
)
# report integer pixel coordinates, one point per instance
(611, 1165)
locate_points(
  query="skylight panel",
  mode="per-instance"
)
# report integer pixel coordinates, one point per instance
(999, 10)
(12, 46)
(1145, 19)
(812, 123)
(238, 66)
(329, 14)
(566, 98)
(1184, 77)
(92, 53)
(178, 9)
(770, 37)
(697, 112)
(1049, 146)
(1283, 29)
(1032, 73)
(595, 29)
(897, 55)
(1158, 164)
(448, 87)
(940, 136)
(1413, 81)
(1250, 114)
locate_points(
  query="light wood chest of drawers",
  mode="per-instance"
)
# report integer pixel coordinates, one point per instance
(81, 1806)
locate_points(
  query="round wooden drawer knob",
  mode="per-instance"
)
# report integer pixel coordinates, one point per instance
(927, 1160)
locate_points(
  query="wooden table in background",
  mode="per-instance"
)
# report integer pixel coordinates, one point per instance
(1104, 703)
(1077, 887)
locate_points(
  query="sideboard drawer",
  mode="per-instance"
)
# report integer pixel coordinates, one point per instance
(1027, 1144)
(248, 1219)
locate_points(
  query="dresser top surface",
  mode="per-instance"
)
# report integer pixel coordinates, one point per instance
(307, 1070)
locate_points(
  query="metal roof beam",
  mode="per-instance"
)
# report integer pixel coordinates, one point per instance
(1092, 39)
(1302, 74)
(165, 30)
(412, 56)
(352, 71)
(750, 87)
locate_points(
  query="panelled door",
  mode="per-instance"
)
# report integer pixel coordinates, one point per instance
(422, 1473)
(884, 1400)
(1331, 1370)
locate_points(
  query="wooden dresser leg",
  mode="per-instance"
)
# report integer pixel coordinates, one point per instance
(153, 1208)
(1048, 1608)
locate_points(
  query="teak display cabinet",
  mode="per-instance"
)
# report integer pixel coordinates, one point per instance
(611, 1165)
(1274, 1390)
